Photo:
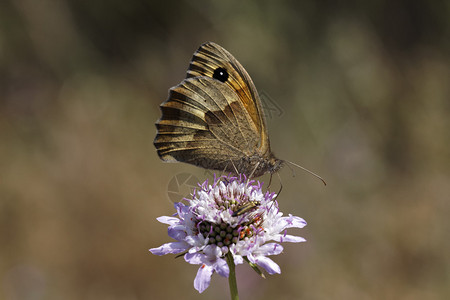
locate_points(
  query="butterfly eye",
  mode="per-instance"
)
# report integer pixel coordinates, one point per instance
(220, 74)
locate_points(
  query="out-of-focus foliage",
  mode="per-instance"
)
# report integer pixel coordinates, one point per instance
(363, 96)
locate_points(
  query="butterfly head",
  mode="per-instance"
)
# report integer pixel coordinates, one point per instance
(275, 164)
(264, 164)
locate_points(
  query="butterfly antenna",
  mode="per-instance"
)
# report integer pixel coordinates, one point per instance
(292, 170)
(306, 170)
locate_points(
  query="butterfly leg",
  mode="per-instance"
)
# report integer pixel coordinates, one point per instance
(270, 181)
(281, 184)
(234, 166)
(254, 169)
(224, 169)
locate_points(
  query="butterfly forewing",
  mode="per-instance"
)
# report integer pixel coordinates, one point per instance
(211, 57)
(213, 118)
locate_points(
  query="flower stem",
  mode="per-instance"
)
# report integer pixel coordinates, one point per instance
(232, 277)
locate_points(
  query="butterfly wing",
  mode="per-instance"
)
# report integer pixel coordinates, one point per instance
(211, 57)
(214, 118)
(204, 123)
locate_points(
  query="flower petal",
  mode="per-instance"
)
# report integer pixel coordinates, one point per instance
(174, 248)
(294, 221)
(221, 267)
(270, 249)
(269, 265)
(238, 259)
(182, 210)
(203, 278)
(213, 252)
(168, 220)
(198, 242)
(176, 233)
(288, 238)
(195, 258)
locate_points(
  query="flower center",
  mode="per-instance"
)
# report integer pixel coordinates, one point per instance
(219, 234)
(224, 234)
(244, 222)
(234, 200)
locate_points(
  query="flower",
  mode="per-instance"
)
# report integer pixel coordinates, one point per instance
(231, 216)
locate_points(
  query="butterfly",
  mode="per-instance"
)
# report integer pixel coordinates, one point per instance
(214, 118)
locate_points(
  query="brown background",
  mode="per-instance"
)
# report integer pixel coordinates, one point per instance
(363, 95)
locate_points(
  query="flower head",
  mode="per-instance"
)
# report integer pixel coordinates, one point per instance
(233, 215)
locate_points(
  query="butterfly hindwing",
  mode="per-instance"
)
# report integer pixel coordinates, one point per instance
(204, 126)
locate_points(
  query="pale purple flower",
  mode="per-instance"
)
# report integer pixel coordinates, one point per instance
(231, 215)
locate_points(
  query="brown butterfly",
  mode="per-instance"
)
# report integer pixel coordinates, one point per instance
(214, 119)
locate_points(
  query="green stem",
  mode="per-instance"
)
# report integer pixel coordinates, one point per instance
(232, 277)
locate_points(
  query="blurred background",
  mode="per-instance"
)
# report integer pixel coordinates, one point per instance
(358, 93)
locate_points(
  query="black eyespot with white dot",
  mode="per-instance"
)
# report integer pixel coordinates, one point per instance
(220, 74)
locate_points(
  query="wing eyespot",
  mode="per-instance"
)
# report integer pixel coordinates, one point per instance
(220, 74)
